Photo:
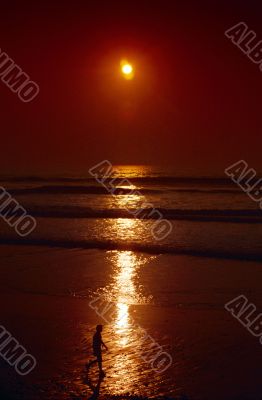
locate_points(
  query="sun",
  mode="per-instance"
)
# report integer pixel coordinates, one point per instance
(127, 69)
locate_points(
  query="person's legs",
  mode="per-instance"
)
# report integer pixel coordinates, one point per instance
(88, 365)
(99, 360)
(92, 362)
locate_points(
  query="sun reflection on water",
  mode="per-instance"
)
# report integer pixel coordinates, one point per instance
(124, 291)
(130, 201)
(122, 315)
(124, 367)
(126, 271)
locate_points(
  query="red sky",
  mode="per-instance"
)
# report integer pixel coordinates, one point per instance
(194, 103)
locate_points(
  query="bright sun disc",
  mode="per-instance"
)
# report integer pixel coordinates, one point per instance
(127, 69)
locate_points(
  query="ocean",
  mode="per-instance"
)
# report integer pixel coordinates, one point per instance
(79, 212)
(88, 245)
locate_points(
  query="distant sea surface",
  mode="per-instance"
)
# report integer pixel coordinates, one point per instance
(209, 216)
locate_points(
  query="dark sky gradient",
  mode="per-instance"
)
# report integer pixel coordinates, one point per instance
(195, 103)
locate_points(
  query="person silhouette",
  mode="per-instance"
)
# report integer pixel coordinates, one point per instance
(97, 350)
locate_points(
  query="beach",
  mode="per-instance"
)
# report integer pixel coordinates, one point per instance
(178, 300)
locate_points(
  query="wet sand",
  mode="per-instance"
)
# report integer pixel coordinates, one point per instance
(178, 300)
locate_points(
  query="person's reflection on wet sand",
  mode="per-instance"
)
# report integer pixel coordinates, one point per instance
(95, 389)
